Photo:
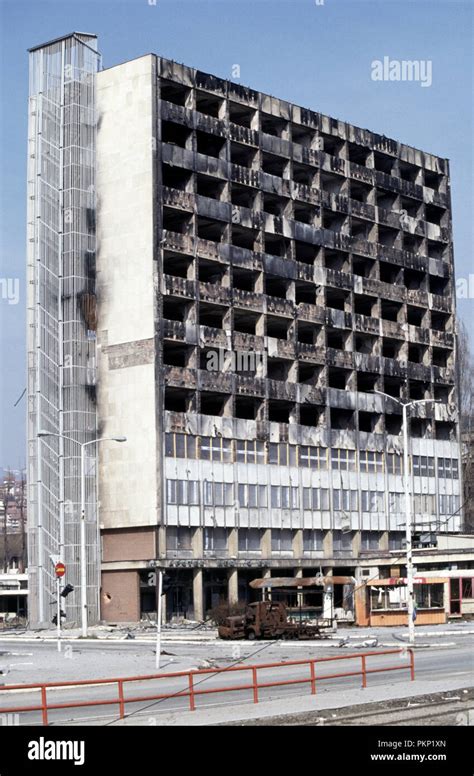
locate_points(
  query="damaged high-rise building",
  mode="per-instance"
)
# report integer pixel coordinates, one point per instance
(261, 272)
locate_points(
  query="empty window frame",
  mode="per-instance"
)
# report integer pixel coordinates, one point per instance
(394, 463)
(372, 500)
(313, 541)
(215, 449)
(182, 492)
(252, 496)
(345, 500)
(249, 451)
(313, 457)
(215, 539)
(180, 446)
(344, 460)
(423, 466)
(369, 540)
(282, 540)
(178, 539)
(448, 468)
(218, 494)
(371, 461)
(316, 499)
(448, 504)
(284, 497)
(249, 540)
(282, 454)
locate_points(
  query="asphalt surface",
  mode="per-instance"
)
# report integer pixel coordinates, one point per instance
(41, 662)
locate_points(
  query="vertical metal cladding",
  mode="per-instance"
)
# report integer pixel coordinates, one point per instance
(61, 315)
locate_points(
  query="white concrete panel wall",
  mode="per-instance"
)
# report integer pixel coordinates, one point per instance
(126, 393)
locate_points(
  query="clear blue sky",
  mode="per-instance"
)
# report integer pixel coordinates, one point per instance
(318, 56)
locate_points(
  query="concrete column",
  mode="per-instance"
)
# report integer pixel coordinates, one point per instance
(327, 544)
(267, 543)
(298, 544)
(383, 545)
(233, 589)
(161, 541)
(198, 594)
(233, 543)
(356, 544)
(197, 543)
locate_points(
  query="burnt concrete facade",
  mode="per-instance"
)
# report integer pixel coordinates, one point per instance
(262, 271)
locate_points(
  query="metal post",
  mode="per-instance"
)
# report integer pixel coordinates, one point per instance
(158, 618)
(408, 534)
(58, 613)
(83, 545)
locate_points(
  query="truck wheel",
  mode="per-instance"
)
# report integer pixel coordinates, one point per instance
(251, 635)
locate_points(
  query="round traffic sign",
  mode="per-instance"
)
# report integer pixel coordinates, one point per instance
(60, 569)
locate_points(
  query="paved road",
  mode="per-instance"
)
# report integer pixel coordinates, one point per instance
(121, 659)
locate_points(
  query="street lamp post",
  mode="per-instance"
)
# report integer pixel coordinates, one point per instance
(408, 510)
(83, 555)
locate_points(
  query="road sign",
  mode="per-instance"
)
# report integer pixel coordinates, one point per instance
(60, 569)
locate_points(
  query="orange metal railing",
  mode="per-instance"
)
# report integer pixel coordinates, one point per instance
(193, 690)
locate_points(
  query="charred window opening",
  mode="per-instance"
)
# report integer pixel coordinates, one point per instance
(393, 424)
(437, 250)
(209, 145)
(176, 177)
(443, 392)
(308, 333)
(275, 286)
(177, 265)
(305, 213)
(309, 374)
(274, 165)
(245, 321)
(440, 357)
(366, 382)
(243, 196)
(278, 369)
(213, 403)
(393, 386)
(241, 115)
(363, 267)
(415, 315)
(312, 414)
(419, 428)
(305, 293)
(360, 230)
(178, 399)
(418, 389)
(209, 187)
(305, 252)
(304, 136)
(211, 271)
(303, 173)
(415, 280)
(416, 353)
(433, 180)
(209, 104)
(243, 237)
(390, 311)
(244, 279)
(272, 125)
(276, 206)
(336, 299)
(438, 286)
(333, 221)
(412, 206)
(280, 411)
(247, 408)
(390, 273)
(211, 315)
(440, 321)
(342, 420)
(385, 200)
(208, 229)
(445, 430)
(207, 357)
(365, 343)
(391, 348)
(359, 191)
(175, 134)
(336, 339)
(411, 242)
(277, 327)
(364, 305)
(175, 93)
(336, 260)
(177, 220)
(383, 163)
(338, 378)
(331, 145)
(331, 184)
(387, 236)
(176, 354)
(175, 309)
(358, 154)
(277, 246)
(409, 172)
(242, 155)
(368, 422)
